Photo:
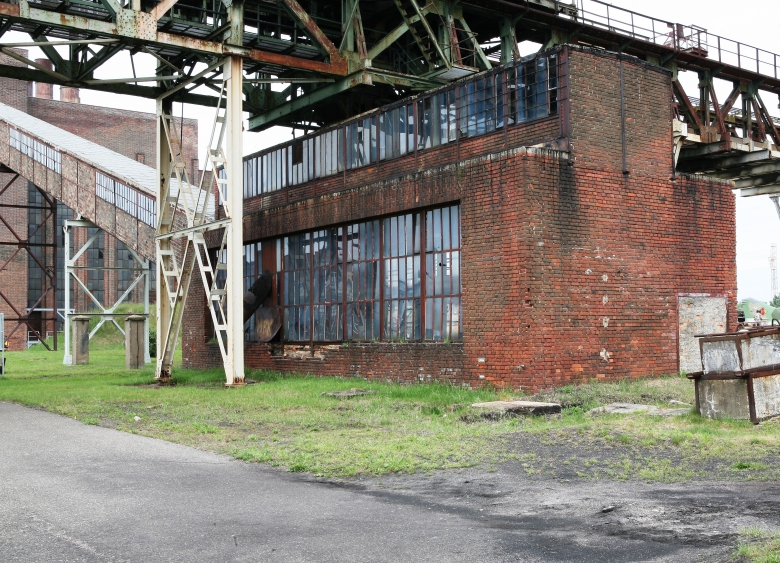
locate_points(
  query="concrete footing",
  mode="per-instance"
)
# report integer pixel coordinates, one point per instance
(135, 345)
(80, 339)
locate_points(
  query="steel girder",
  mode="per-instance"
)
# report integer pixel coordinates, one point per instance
(374, 52)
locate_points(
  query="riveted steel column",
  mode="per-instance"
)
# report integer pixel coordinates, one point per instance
(234, 370)
(164, 310)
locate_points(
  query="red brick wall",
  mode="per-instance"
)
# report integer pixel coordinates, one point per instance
(13, 278)
(126, 132)
(15, 92)
(571, 267)
(13, 274)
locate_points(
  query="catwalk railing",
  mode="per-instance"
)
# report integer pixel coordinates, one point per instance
(684, 38)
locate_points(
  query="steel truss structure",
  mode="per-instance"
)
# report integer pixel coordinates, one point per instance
(335, 60)
(26, 244)
(107, 313)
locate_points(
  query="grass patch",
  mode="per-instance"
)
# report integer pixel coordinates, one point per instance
(756, 546)
(284, 421)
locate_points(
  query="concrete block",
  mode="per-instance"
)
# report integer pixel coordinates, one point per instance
(80, 339)
(519, 407)
(135, 341)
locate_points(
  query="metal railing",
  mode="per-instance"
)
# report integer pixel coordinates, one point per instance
(684, 38)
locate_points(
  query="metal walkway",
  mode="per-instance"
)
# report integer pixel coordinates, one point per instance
(112, 191)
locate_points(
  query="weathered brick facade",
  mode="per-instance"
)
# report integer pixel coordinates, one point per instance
(575, 250)
(572, 260)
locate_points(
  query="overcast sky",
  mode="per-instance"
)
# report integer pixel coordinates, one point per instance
(757, 222)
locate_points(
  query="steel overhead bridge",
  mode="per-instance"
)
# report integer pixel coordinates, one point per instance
(335, 60)
(114, 192)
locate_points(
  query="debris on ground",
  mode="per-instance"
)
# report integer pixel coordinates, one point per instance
(348, 394)
(508, 408)
(631, 408)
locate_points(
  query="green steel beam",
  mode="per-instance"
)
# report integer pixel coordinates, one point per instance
(272, 115)
(33, 75)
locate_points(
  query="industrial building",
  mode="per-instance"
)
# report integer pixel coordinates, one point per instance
(452, 212)
(506, 229)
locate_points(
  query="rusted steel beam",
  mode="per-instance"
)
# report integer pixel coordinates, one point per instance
(683, 97)
(759, 119)
(730, 100)
(308, 23)
(719, 121)
(767, 119)
(160, 9)
(142, 26)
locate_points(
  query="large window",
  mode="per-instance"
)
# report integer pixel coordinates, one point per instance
(252, 271)
(124, 259)
(514, 93)
(401, 291)
(328, 257)
(362, 281)
(442, 274)
(95, 283)
(395, 279)
(296, 265)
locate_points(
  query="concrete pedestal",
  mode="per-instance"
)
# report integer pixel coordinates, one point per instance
(80, 339)
(135, 346)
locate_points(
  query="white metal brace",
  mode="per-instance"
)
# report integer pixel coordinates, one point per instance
(180, 248)
(141, 269)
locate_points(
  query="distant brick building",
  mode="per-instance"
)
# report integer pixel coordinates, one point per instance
(523, 227)
(22, 281)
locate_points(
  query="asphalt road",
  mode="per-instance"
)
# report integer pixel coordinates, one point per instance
(76, 493)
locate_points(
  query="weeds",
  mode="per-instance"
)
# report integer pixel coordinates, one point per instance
(757, 546)
(284, 421)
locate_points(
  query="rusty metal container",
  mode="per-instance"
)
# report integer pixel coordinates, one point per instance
(740, 375)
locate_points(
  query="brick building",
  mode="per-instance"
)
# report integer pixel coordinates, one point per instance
(523, 227)
(23, 280)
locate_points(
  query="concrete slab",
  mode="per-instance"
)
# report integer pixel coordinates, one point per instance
(519, 407)
(631, 408)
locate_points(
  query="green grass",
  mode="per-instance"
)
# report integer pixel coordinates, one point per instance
(279, 420)
(758, 547)
(284, 421)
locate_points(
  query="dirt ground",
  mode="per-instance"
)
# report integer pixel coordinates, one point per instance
(558, 515)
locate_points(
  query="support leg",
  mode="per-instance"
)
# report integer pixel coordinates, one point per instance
(234, 370)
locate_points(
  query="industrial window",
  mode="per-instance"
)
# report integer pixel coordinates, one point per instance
(37, 233)
(124, 277)
(514, 93)
(398, 277)
(297, 287)
(252, 270)
(64, 213)
(362, 281)
(401, 290)
(95, 283)
(46, 155)
(132, 202)
(328, 259)
(442, 274)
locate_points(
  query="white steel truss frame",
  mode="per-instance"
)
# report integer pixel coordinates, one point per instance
(175, 263)
(106, 313)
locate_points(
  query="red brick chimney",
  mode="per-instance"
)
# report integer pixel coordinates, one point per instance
(44, 90)
(68, 94)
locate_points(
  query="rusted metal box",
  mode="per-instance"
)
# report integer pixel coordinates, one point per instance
(740, 378)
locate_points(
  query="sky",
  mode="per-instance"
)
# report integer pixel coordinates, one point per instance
(758, 224)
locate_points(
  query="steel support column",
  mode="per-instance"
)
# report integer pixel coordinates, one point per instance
(164, 310)
(234, 370)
